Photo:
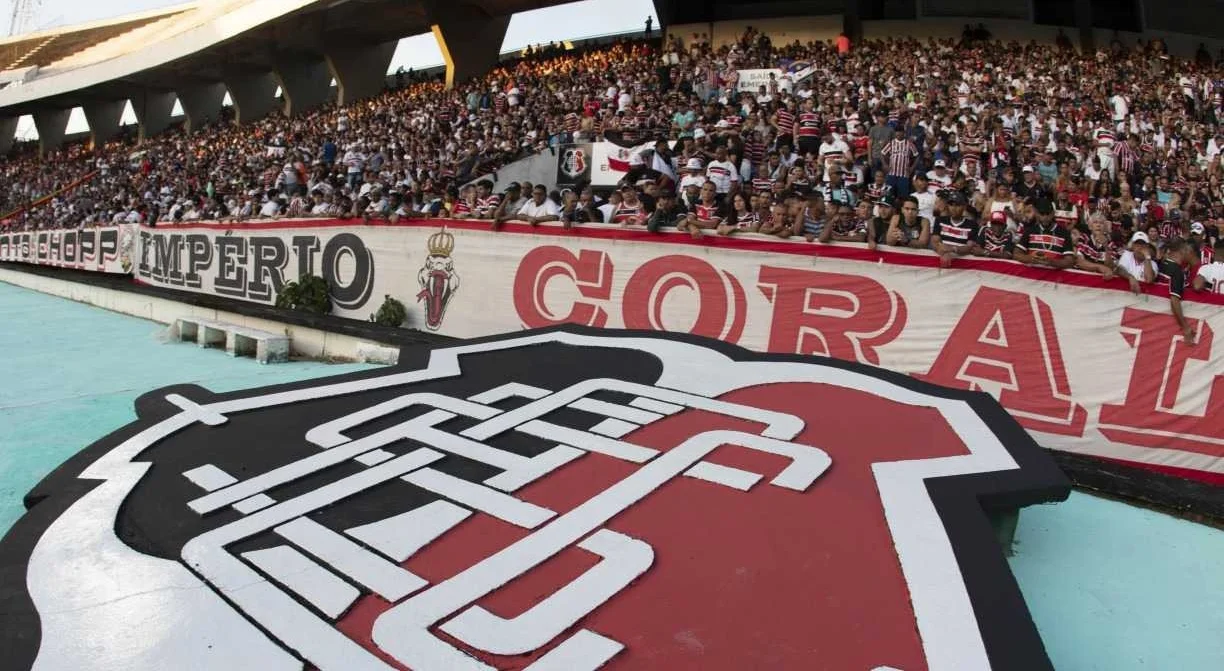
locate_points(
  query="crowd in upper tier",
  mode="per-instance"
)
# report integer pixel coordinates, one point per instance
(1108, 160)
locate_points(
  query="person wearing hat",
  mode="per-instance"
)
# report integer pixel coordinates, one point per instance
(877, 226)
(954, 234)
(1043, 243)
(939, 176)
(994, 240)
(1030, 185)
(512, 201)
(1138, 263)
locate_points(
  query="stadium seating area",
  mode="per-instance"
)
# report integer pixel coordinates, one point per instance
(965, 147)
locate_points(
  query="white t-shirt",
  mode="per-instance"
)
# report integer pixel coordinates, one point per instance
(270, 209)
(1130, 264)
(926, 205)
(546, 209)
(722, 173)
(1213, 273)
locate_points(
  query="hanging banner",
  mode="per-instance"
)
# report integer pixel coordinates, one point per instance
(573, 164)
(107, 249)
(752, 80)
(1084, 365)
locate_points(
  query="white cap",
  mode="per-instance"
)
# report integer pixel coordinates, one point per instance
(1140, 236)
(940, 164)
(699, 133)
(693, 164)
(1197, 227)
(1027, 168)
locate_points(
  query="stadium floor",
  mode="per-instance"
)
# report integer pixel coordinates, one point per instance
(1110, 586)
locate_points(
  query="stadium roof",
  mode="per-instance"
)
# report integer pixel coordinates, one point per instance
(205, 42)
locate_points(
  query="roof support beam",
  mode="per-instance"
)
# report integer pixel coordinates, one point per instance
(252, 95)
(201, 104)
(51, 125)
(152, 110)
(305, 83)
(8, 134)
(361, 73)
(469, 39)
(103, 119)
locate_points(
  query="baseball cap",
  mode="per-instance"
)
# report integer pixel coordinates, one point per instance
(693, 164)
(1043, 206)
(940, 164)
(1198, 228)
(1139, 236)
(887, 201)
(698, 133)
(998, 217)
(513, 185)
(955, 198)
(1027, 168)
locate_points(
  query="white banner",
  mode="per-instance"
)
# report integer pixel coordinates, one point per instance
(1086, 367)
(752, 80)
(106, 249)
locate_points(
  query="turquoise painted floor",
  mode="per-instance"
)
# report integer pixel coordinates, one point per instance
(1111, 587)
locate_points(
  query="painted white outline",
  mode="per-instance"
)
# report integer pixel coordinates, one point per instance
(74, 596)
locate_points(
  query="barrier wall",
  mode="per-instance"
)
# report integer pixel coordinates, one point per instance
(108, 249)
(1084, 365)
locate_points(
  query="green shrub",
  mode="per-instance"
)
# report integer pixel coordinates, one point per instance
(309, 294)
(392, 313)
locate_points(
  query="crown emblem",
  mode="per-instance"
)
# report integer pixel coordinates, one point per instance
(441, 243)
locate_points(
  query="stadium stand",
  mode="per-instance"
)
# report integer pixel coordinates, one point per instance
(1037, 152)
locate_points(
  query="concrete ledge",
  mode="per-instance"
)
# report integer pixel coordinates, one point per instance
(311, 340)
(237, 340)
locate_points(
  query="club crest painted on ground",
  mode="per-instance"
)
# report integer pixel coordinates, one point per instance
(559, 499)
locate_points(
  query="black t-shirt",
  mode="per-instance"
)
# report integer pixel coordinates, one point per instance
(1048, 242)
(958, 233)
(1173, 275)
(881, 230)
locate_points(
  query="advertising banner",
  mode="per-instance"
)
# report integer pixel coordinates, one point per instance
(752, 80)
(1085, 366)
(107, 249)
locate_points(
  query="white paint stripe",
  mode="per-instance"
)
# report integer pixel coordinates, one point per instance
(509, 390)
(661, 407)
(614, 428)
(401, 536)
(614, 410)
(584, 651)
(203, 414)
(724, 475)
(311, 464)
(350, 559)
(330, 434)
(624, 559)
(479, 497)
(777, 424)
(468, 448)
(537, 467)
(318, 586)
(588, 441)
(209, 478)
(373, 458)
(253, 503)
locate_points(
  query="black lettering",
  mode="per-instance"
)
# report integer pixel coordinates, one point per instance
(231, 267)
(268, 255)
(69, 247)
(54, 251)
(305, 247)
(353, 294)
(169, 252)
(108, 245)
(42, 247)
(5, 248)
(26, 248)
(199, 257)
(146, 244)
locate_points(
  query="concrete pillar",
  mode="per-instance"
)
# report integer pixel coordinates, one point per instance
(8, 134)
(51, 126)
(253, 95)
(470, 40)
(1083, 22)
(201, 104)
(103, 119)
(362, 72)
(306, 85)
(152, 110)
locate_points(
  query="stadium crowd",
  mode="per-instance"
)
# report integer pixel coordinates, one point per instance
(1108, 161)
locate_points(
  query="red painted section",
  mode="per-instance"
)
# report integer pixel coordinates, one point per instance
(757, 243)
(765, 579)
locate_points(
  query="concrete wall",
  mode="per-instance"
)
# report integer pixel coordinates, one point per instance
(951, 27)
(538, 169)
(307, 342)
(781, 31)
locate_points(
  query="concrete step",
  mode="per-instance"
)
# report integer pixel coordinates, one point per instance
(237, 340)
